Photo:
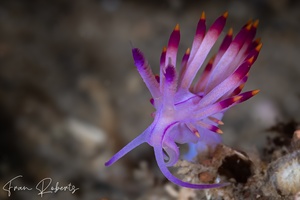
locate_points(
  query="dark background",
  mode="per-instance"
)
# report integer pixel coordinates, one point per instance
(70, 96)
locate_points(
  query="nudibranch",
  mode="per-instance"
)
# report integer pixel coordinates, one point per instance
(188, 111)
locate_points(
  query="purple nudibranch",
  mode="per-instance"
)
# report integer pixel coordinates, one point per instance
(190, 113)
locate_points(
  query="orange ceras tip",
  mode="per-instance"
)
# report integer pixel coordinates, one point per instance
(177, 27)
(254, 92)
(251, 60)
(237, 98)
(242, 86)
(164, 49)
(258, 47)
(255, 23)
(230, 32)
(250, 21)
(211, 61)
(225, 15)
(202, 16)
(257, 40)
(197, 134)
(220, 122)
(248, 27)
(187, 52)
(219, 131)
(216, 120)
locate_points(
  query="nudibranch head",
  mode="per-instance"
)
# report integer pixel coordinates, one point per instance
(190, 113)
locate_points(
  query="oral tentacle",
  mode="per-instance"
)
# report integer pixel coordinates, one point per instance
(164, 169)
(171, 150)
(142, 138)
